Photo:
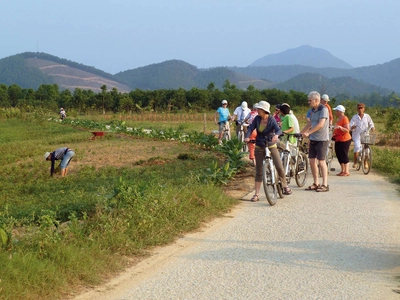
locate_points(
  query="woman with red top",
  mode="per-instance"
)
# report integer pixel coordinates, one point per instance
(342, 138)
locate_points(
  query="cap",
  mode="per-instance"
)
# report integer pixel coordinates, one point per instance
(244, 105)
(340, 108)
(325, 97)
(224, 102)
(285, 108)
(264, 105)
(46, 155)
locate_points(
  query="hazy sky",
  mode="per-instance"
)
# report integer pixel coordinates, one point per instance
(118, 35)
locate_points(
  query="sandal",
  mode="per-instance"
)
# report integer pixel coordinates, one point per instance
(287, 191)
(254, 198)
(322, 188)
(312, 187)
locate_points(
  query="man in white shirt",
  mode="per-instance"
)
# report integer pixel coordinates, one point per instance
(239, 115)
(358, 124)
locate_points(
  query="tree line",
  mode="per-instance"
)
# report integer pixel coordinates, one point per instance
(49, 96)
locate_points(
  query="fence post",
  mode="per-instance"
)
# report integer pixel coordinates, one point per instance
(205, 122)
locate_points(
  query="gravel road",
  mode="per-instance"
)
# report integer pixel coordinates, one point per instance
(343, 244)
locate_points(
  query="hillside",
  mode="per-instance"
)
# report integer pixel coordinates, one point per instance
(304, 56)
(307, 82)
(30, 70)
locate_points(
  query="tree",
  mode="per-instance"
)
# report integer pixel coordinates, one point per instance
(14, 93)
(4, 99)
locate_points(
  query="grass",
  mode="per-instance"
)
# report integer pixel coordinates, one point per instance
(122, 196)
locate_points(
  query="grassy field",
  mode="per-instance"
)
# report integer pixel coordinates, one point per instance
(123, 195)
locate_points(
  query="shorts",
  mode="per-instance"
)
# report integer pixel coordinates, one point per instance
(317, 149)
(221, 126)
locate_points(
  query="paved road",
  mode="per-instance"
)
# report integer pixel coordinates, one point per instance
(343, 244)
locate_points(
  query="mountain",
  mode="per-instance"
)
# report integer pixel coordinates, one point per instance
(30, 70)
(385, 75)
(304, 56)
(307, 82)
(174, 74)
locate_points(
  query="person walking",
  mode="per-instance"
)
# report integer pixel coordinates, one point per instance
(64, 154)
(239, 115)
(342, 138)
(224, 118)
(268, 132)
(248, 120)
(317, 129)
(359, 123)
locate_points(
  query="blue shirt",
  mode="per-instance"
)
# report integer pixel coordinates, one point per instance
(223, 114)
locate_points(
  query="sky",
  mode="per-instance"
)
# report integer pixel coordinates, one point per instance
(120, 35)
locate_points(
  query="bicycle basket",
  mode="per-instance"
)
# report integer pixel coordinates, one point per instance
(368, 138)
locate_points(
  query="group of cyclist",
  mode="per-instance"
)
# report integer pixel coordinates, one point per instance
(265, 128)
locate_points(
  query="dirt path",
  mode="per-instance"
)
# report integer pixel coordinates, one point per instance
(344, 244)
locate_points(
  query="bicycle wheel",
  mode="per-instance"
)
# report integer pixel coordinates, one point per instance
(359, 159)
(301, 169)
(367, 160)
(329, 156)
(241, 139)
(270, 188)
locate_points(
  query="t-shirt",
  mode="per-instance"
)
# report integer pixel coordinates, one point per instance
(321, 112)
(287, 122)
(338, 134)
(223, 114)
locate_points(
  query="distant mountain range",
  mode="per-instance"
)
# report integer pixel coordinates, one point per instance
(302, 69)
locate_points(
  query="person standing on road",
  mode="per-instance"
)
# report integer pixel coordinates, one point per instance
(342, 138)
(268, 132)
(359, 123)
(239, 115)
(289, 123)
(64, 154)
(324, 101)
(249, 119)
(318, 131)
(224, 118)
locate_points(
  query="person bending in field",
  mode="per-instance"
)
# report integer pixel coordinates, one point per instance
(64, 154)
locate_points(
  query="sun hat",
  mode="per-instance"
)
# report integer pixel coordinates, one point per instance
(224, 102)
(244, 105)
(46, 155)
(340, 108)
(325, 97)
(264, 105)
(255, 105)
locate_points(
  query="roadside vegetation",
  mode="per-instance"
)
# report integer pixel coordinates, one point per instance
(126, 192)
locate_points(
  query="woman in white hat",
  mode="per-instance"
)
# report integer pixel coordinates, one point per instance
(342, 138)
(64, 154)
(268, 131)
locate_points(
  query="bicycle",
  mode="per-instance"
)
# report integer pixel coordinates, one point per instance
(364, 159)
(294, 161)
(241, 135)
(226, 132)
(269, 177)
